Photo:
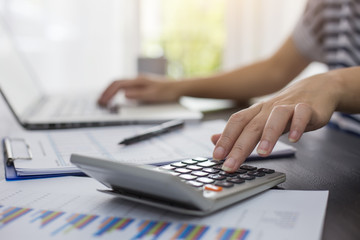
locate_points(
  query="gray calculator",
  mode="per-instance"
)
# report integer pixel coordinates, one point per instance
(194, 186)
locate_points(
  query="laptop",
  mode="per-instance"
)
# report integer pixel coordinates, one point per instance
(36, 109)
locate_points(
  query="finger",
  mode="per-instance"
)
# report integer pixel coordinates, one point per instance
(301, 118)
(136, 93)
(245, 143)
(215, 138)
(232, 131)
(274, 128)
(104, 98)
(114, 87)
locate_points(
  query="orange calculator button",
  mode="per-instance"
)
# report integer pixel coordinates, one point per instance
(214, 188)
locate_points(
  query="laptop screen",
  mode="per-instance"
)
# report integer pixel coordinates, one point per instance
(16, 82)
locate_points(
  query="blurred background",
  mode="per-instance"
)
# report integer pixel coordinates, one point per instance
(86, 44)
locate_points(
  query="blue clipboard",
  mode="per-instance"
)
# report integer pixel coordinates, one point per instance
(10, 170)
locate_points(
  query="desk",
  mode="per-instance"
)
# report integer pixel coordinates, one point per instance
(326, 159)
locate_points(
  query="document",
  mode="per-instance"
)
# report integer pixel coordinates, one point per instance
(71, 207)
(51, 149)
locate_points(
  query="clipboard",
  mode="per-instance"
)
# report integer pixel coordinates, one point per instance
(13, 150)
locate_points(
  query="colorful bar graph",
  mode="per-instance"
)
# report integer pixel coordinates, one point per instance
(46, 217)
(110, 224)
(76, 221)
(57, 222)
(190, 232)
(232, 234)
(152, 229)
(11, 214)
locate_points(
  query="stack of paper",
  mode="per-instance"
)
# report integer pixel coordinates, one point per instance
(51, 150)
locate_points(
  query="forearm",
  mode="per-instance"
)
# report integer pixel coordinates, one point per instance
(240, 84)
(254, 80)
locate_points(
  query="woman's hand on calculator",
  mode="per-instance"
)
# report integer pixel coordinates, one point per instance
(304, 106)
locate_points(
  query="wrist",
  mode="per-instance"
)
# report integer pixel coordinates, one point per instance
(338, 87)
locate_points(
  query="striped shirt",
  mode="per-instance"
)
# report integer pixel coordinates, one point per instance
(329, 32)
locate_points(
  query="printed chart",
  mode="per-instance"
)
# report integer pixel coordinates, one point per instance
(57, 224)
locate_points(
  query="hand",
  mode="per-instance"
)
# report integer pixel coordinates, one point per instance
(304, 106)
(142, 88)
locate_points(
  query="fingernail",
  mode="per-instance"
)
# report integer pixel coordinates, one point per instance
(293, 136)
(228, 165)
(219, 153)
(263, 147)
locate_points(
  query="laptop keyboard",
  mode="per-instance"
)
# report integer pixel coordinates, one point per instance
(79, 107)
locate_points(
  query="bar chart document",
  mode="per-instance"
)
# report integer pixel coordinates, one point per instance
(70, 207)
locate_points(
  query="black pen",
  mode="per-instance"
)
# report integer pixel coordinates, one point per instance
(154, 131)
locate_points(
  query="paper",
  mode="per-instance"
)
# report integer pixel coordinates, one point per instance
(346, 122)
(71, 207)
(52, 149)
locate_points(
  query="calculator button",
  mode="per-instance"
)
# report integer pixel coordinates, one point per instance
(195, 183)
(189, 162)
(200, 159)
(182, 170)
(256, 174)
(207, 164)
(248, 168)
(224, 184)
(217, 177)
(200, 174)
(187, 176)
(211, 187)
(241, 171)
(194, 167)
(168, 167)
(246, 177)
(235, 180)
(226, 174)
(211, 170)
(217, 167)
(205, 180)
(266, 170)
(174, 173)
(178, 164)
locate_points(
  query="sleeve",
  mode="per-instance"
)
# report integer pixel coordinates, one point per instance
(304, 36)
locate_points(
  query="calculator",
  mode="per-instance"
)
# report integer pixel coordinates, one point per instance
(194, 186)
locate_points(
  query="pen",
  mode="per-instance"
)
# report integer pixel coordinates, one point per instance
(154, 131)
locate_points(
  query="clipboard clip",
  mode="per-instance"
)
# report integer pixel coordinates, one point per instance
(16, 148)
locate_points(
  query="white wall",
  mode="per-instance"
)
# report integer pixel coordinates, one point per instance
(76, 43)
(256, 28)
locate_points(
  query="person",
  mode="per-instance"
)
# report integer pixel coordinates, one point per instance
(328, 32)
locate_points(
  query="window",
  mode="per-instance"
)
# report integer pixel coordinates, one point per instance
(188, 33)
